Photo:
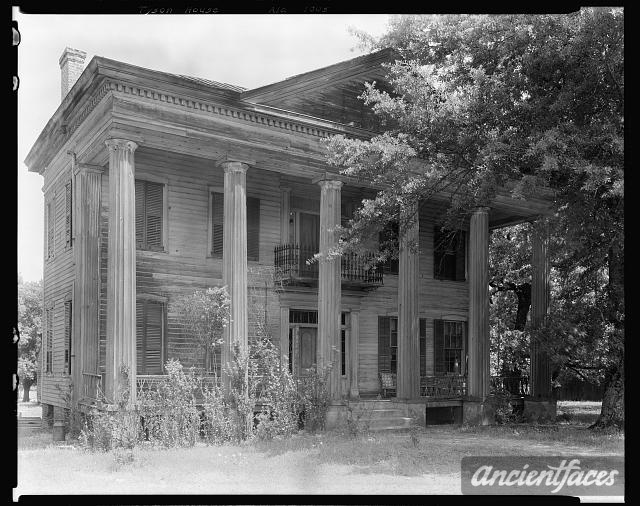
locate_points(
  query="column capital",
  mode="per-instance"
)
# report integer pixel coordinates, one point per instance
(88, 168)
(481, 210)
(123, 144)
(331, 184)
(234, 166)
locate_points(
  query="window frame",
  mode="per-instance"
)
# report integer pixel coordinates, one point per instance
(462, 350)
(164, 248)
(68, 335)
(439, 256)
(391, 265)
(50, 228)
(68, 214)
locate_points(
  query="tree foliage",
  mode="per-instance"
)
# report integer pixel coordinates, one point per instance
(204, 314)
(30, 329)
(531, 104)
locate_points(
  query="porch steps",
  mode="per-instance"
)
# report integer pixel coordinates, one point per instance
(380, 415)
(29, 422)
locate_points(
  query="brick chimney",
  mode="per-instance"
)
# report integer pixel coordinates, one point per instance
(71, 66)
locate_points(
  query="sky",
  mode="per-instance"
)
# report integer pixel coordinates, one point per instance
(246, 50)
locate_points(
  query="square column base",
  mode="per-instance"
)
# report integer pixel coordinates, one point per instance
(477, 412)
(539, 410)
(417, 411)
(336, 416)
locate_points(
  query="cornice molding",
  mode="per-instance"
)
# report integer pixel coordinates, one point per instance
(260, 118)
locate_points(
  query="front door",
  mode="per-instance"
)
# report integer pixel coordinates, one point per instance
(306, 350)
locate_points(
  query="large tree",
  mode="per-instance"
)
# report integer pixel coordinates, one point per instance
(30, 328)
(525, 102)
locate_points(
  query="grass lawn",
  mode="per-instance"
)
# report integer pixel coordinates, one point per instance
(422, 462)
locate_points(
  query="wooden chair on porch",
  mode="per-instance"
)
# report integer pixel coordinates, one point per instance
(387, 383)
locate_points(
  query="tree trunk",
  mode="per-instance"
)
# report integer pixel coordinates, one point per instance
(612, 413)
(523, 292)
(26, 387)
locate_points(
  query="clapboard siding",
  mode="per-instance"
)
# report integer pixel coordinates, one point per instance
(58, 275)
(439, 299)
(185, 265)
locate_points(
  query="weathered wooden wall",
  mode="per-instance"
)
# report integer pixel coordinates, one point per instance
(58, 287)
(439, 299)
(186, 265)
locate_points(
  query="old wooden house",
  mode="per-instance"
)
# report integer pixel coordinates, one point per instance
(158, 184)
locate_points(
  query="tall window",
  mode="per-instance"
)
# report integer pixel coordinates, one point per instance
(343, 344)
(149, 215)
(449, 346)
(51, 228)
(388, 238)
(150, 330)
(68, 214)
(216, 206)
(423, 347)
(448, 255)
(387, 344)
(67, 335)
(49, 341)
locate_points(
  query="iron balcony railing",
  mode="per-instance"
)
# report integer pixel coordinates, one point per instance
(514, 385)
(443, 387)
(291, 262)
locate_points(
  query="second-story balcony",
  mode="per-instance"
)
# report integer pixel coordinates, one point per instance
(293, 267)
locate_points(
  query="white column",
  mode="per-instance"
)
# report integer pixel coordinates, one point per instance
(121, 271)
(234, 256)
(408, 377)
(354, 338)
(540, 365)
(329, 289)
(284, 336)
(86, 249)
(478, 373)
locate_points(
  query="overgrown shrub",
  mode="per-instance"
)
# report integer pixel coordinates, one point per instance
(503, 409)
(313, 398)
(169, 413)
(113, 426)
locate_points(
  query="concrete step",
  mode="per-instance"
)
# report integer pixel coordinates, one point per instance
(377, 413)
(372, 404)
(387, 423)
(392, 428)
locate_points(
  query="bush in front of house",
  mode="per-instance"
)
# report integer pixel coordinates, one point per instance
(168, 412)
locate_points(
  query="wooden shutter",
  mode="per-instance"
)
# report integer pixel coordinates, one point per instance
(217, 223)
(67, 336)
(460, 256)
(423, 347)
(49, 342)
(140, 212)
(51, 221)
(140, 336)
(149, 215)
(253, 228)
(154, 203)
(154, 328)
(149, 336)
(68, 213)
(438, 341)
(384, 351)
